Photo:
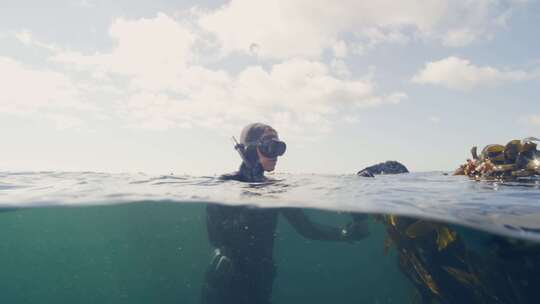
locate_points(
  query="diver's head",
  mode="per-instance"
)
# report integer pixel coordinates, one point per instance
(262, 145)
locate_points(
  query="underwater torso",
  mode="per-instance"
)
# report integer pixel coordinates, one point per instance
(242, 231)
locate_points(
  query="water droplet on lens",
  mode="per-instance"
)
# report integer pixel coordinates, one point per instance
(254, 49)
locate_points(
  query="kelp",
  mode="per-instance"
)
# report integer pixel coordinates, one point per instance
(443, 270)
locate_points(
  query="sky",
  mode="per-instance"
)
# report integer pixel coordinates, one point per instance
(161, 86)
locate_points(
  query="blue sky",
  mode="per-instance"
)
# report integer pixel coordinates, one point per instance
(161, 86)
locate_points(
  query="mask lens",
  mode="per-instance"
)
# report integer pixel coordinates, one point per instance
(272, 148)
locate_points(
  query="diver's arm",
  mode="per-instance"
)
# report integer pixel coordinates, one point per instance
(311, 230)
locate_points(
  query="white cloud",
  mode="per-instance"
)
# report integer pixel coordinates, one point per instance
(460, 37)
(532, 120)
(27, 90)
(349, 119)
(340, 49)
(288, 29)
(503, 18)
(435, 119)
(461, 74)
(296, 95)
(154, 52)
(24, 37)
(168, 87)
(63, 121)
(153, 77)
(339, 67)
(376, 36)
(396, 98)
(393, 98)
(41, 94)
(85, 3)
(369, 38)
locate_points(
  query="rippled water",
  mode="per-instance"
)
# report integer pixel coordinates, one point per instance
(511, 208)
(137, 238)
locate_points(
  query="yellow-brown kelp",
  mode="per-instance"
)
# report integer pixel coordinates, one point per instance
(516, 159)
(434, 257)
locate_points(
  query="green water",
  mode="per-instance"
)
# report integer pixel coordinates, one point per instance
(158, 252)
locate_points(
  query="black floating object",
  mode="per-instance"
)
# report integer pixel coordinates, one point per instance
(388, 167)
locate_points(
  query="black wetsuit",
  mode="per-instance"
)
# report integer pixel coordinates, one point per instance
(243, 270)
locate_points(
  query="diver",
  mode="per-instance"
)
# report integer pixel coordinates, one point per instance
(243, 270)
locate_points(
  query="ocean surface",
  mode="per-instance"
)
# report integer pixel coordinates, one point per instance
(87, 237)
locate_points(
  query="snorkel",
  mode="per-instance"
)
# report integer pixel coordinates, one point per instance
(240, 148)
(251, 170)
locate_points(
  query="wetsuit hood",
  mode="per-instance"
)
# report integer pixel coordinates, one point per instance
(252, 133)
(249, 137)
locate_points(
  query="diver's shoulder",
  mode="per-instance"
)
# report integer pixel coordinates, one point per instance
(231, 176)
(244, 176)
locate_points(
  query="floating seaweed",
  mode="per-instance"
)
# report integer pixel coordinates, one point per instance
(443, 270)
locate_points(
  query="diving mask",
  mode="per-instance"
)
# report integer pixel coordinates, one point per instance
(272, 147)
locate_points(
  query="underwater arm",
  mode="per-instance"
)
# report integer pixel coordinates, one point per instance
(316, 231)
(309, 229)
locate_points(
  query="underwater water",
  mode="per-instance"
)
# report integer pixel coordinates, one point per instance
(89, 237)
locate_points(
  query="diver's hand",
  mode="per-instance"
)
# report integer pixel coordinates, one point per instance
(355, 231)
(365, 173)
